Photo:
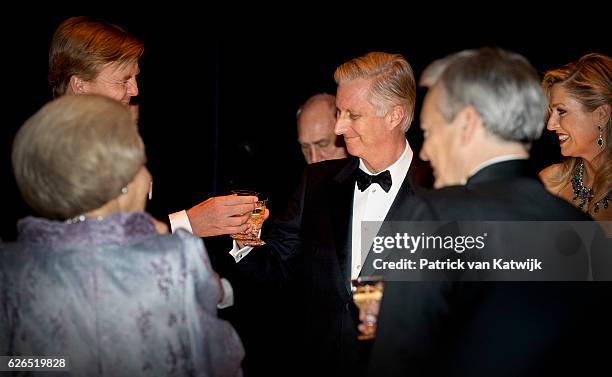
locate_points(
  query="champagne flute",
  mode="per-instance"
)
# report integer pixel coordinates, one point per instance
(251, 236)
(367, 295)
(255, 221)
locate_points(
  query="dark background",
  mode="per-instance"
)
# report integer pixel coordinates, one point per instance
(219, 91)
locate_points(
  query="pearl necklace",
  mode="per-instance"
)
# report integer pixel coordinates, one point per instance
(81, 218)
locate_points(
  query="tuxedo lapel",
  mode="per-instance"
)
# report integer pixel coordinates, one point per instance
(341, 208)
(406, 190)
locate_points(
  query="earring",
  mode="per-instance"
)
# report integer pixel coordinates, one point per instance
(124, 190)
(79, 86)
(151, 190)
(600, 141)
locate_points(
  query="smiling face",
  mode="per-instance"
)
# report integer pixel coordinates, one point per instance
(575, 127)
(440, 141)
(357, 121)
(116, 81)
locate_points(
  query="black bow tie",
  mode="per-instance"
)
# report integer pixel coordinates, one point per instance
(364, 180)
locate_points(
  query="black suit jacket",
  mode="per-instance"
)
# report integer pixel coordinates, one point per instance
(487, 328)
(309, 250)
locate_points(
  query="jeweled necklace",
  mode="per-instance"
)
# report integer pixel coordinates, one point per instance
(584, 193)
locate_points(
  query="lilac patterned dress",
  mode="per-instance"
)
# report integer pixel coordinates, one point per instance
(116, 298)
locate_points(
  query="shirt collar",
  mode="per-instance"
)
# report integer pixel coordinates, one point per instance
(398, 169)
(495, 160)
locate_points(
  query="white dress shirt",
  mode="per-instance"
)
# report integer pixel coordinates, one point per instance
(372, 204)
(179, 220)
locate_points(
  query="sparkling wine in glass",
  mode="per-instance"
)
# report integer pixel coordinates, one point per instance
(256, 219)
(367, 295)
(251, 236)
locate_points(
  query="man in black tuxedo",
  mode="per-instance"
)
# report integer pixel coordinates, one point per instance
(315, 244)
(481, 112)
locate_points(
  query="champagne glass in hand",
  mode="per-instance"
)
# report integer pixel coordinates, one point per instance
(256, 218)
(367, 295)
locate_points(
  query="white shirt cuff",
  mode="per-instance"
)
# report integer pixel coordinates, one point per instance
(238, 254)
(228, 295)
(179, 220)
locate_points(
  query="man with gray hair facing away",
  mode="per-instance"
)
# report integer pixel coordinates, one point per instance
(483, 109)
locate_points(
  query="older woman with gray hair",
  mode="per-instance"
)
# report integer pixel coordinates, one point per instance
(92, 279)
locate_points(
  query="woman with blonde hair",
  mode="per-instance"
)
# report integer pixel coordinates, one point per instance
(580, 104)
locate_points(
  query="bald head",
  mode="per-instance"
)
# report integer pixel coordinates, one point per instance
(316, 119)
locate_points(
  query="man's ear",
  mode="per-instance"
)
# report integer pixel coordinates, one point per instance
(77, 85)
(469, 123)
(396, 115)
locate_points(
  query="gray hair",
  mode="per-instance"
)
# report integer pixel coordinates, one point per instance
(392, 81)
(75, 154)
(501, 85)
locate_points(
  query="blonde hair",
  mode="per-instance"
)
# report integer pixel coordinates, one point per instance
(588, 81)
(392, 81)
(75, 155)
(82, 46)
